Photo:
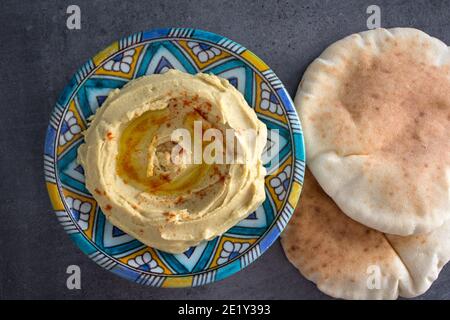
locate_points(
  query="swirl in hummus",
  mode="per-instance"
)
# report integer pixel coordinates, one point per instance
(166, 204)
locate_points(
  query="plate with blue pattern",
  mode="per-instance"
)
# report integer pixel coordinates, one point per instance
(156, 51)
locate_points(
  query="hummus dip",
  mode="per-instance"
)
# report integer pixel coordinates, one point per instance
(166, 204)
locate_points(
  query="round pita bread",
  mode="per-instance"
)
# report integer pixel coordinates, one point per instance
(344, 258)
(375, 110)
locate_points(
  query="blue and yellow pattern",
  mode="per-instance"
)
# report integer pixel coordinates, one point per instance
(156, 51)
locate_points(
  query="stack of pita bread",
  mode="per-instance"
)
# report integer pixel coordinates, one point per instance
(373, 221)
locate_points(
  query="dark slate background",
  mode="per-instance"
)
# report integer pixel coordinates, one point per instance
(38, 55)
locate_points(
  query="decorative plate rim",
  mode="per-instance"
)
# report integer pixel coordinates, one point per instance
(192, 279)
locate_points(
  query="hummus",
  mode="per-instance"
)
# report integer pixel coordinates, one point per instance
(166, 202)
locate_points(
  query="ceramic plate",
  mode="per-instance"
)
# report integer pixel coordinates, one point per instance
(156, 51)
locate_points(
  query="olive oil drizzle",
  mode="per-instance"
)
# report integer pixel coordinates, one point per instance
(132, 158)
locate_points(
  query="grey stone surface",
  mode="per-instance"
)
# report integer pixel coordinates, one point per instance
(38, 55)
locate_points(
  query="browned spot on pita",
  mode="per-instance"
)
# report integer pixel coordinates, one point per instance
(327, 246)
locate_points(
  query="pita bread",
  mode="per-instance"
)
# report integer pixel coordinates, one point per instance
(375, 110)
(343, 256)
